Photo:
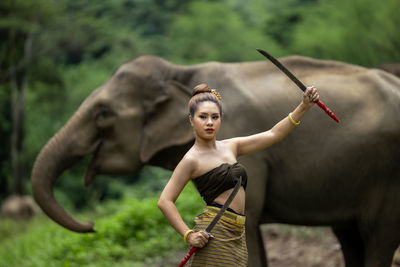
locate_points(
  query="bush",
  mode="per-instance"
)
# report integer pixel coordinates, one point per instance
(133, 236)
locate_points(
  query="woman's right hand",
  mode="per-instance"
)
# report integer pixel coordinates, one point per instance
(198, 239)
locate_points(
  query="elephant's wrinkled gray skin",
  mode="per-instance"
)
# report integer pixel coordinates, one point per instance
(344, 175)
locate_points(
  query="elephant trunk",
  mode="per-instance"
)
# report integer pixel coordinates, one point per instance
(54, 158)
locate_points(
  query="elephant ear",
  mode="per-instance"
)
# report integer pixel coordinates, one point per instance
(168, 124)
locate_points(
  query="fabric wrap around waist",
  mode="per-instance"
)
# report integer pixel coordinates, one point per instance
(227, 247)
(228, 216)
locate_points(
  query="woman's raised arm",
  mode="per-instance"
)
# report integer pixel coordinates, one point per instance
(253, 143)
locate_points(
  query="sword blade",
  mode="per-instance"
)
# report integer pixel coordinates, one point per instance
(284, 69)
(225, 206)
(297, 82)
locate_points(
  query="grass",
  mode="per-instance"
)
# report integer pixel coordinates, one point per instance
(136, 234)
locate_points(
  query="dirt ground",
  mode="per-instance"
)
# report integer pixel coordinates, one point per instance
(301, 246)
(296, 247)
(305, 246)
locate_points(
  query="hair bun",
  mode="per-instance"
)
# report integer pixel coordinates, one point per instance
(201, 88)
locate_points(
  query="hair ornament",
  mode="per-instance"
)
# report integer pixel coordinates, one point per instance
(216, 94)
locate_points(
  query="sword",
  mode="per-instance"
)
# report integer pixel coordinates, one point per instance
(215, 220)
(297, 82)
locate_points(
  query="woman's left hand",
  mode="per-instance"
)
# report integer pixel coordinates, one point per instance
(310, 96)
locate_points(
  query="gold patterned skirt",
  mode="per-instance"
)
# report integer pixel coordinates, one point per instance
(228, 246)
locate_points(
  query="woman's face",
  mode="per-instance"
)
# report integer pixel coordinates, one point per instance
(206, 120)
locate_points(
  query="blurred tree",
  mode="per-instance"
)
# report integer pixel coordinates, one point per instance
(18, 28)
(5, 134)
(282, 18)
(386, 38)
(213, 31)
(363, 32)
(82, 45)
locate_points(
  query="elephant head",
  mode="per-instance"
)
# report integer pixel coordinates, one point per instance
(119, 124)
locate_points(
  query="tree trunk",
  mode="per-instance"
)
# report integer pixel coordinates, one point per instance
(18, 98)
(19, 82)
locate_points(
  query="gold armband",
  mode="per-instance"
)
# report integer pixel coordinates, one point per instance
(295, 123)
(187, 234)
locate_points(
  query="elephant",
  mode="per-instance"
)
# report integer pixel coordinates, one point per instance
(344, 175)
(393, 68)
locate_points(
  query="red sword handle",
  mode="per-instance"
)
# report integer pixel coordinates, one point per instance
(327, 110)
(187, 257)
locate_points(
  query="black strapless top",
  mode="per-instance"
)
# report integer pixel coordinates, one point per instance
(216, 181)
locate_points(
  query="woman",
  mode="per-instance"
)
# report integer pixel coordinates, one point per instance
(212, 166)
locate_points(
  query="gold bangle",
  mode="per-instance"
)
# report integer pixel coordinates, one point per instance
(295, 123)
(187, 234)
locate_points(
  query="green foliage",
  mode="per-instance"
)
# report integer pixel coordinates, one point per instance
(5, 136)
(151, 180)
(213, 32)
(135, 235)
(282, 18)
(18, 25)
(359, 31)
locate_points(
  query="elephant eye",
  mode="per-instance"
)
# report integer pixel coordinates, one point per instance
(103, 113)
(104, 117)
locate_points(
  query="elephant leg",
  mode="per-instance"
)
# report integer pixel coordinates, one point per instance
(381, 244)
(255, 244)
(352, 245)
(254, 207)
(381, 232)
(371, 248)
(375, 255)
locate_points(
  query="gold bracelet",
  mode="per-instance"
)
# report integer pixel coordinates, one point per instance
(187, 234)
(295, 123)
